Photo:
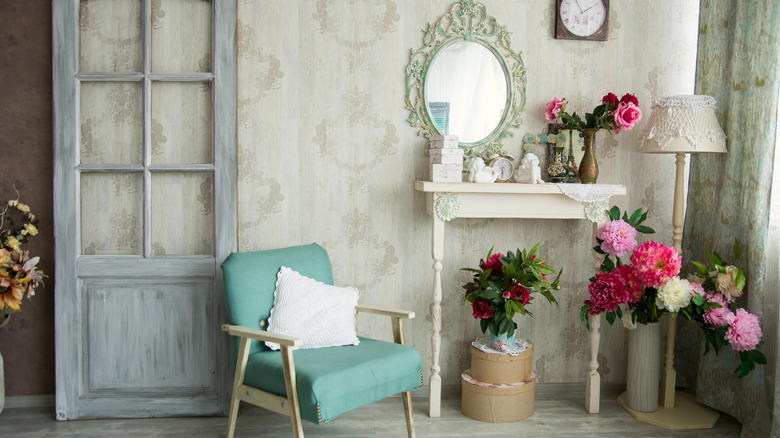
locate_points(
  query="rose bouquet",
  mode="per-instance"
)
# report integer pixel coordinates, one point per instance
(612, 114)
(640, 292)
(18, 274)
(504, 285)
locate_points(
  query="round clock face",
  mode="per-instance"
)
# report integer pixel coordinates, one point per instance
(504, 168)
(583, 17)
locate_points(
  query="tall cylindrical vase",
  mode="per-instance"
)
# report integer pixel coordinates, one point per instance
(644, 367)
(589, 168)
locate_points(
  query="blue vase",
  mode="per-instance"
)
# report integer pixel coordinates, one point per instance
(502, 342)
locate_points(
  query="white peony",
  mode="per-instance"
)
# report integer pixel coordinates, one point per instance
(674, 295)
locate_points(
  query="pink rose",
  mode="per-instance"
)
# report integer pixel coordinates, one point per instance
(629, 98)
(554, 108)
(611, 100)
(627, 115)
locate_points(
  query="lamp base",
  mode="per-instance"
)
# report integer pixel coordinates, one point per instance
(687, 413)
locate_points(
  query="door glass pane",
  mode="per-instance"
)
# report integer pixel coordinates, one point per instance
(112, 213)
(182, 213)
(181, 36)
(110, 34)
(181, 123)
(111, 130)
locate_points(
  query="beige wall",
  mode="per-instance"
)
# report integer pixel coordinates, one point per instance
(326, 155)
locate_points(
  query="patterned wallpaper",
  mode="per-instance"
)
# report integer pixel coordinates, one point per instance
(325, 155)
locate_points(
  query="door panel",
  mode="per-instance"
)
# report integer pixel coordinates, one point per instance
(144, 205)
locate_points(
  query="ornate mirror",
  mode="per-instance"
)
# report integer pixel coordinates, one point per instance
(466, 80)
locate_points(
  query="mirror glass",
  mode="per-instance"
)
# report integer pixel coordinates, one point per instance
(466, 91)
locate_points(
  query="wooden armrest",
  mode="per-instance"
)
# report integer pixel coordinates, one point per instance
(398, 313)
(261, 335)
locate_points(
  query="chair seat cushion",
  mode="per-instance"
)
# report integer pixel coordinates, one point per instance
(335, 380)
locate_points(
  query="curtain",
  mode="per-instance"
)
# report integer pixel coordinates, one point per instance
(729, 198)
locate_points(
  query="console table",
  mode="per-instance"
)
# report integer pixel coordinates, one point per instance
(448, 201)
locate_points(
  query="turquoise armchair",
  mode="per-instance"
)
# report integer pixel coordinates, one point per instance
(311, 384)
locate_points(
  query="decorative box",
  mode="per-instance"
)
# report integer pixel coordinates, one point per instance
(501, 368)
(446, 156)
(446, 172)
(497, 403)
(443, 141)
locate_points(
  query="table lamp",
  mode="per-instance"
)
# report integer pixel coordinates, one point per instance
(681, 125)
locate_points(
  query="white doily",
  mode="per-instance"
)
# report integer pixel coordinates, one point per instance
(588, 192)
(483, 344)
(692, 117)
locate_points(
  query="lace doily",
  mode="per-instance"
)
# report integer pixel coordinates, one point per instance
(588, 192)
(691, 117)
(483, 344)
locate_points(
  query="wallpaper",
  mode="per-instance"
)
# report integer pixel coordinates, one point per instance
(325, 154)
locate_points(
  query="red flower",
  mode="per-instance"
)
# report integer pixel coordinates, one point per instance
(611, 100)
(607, 292)
(493, 263)
(628, 97)
(520, 292)
(481, 310)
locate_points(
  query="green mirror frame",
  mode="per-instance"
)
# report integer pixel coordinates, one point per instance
(467, 20)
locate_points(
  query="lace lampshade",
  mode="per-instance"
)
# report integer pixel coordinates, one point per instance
(683, 124)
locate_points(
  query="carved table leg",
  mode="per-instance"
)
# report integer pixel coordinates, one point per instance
(593, 381)
(434, 390)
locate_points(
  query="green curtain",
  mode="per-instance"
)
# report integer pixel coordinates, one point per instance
(729, 197)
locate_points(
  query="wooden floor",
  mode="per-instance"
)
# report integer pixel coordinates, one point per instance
(558, 413)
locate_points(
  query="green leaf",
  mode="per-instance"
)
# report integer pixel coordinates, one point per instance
(635, 217)
(644, 229)
(483, 324)
(614, 213)
(697, 299)
(610, 316)
(702, 267)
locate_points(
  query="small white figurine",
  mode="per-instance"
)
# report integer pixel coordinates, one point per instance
(479, 173)
(528, 171)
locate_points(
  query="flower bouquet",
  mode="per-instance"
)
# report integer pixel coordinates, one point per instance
(612, 114)
(18, 274)
(504, 285)
(651, 286)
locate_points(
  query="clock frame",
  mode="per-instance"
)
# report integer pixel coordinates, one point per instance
(561, 32)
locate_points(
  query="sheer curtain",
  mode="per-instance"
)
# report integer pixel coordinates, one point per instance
(729, 198)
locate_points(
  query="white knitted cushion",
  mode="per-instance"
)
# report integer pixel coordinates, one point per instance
(321, 315)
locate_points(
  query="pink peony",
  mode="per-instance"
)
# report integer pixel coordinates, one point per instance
(554, 108)
(656, 263)
(606, 293)
(619, 238)
(696, 288)
(611, 100)
(634, 284)
(745, 332)
(718, 316)
(627, 115)
(481, 310)
(727, 285)
(493, 263)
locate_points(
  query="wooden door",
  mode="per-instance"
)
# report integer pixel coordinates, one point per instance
(145, 207)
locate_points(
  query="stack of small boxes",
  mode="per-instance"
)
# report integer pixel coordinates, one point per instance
(446, 158)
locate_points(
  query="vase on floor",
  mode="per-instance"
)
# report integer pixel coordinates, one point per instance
(589, 168)
(644, 367)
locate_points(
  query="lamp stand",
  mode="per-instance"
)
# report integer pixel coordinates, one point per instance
(688, 413)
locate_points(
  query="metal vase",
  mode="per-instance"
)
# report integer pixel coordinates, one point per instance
(644, 367)
(589, 168)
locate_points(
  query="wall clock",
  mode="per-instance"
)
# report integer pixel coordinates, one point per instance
(581, 19)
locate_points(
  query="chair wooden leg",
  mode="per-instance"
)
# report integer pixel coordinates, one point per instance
(407, 397)
(291, 385)
(238, 380)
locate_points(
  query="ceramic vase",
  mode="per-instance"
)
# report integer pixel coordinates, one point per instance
(589, 168)
(502, 342)
(644, 367)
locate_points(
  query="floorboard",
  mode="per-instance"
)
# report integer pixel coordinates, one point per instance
(558, 414)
